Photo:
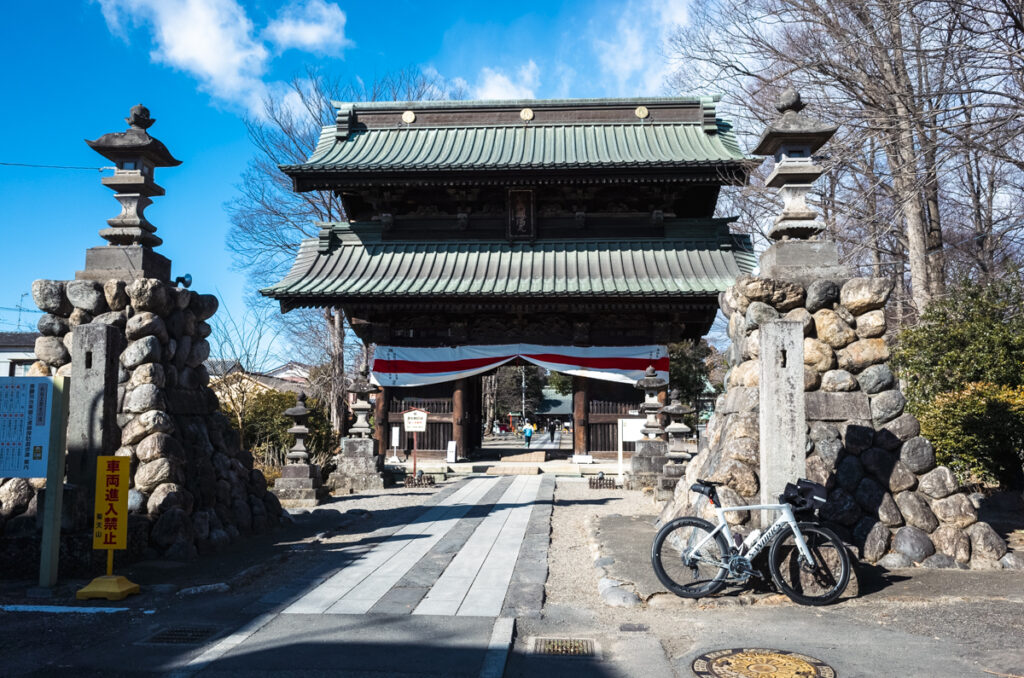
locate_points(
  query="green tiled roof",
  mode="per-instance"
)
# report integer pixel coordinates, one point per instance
(580, 269)
(521, 147)
(518, 147)
(490, 136)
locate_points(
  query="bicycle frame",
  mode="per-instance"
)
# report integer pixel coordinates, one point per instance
(787, 518)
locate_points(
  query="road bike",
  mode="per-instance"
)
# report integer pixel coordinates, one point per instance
(807, 561)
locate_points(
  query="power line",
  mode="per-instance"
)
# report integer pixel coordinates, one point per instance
(67, 167)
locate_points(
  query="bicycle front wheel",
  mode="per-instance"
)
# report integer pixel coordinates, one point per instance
(817, 583)
(688, 560)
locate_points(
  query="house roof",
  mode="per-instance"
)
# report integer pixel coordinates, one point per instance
(18, 340)
(595, 269)
(389, 139)
(219, 368)
(554, 404)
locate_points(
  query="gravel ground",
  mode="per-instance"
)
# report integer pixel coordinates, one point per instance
(922, 625)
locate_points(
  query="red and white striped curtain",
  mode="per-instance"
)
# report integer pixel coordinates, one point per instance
(403, 366)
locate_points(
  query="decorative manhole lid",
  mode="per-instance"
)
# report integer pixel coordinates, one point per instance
(564, 647)
(180, 635)
(759, 663)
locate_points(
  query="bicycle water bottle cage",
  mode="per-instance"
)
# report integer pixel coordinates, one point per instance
(707, 488)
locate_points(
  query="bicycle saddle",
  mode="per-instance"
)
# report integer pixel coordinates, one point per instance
(709, 483)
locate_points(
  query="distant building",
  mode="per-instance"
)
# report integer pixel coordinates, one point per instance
(17, 353)
(291, 371)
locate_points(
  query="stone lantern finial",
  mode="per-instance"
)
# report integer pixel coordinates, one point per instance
(138, 117)
(651, 384)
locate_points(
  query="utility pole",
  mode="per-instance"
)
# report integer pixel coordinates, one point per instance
(522, 373)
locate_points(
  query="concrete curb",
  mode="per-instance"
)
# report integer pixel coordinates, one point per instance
(502, 637)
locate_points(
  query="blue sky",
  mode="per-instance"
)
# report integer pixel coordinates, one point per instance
(73, 69)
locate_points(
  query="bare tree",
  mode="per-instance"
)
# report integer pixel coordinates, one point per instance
(270, 219)
(902, 78)
(243, 345)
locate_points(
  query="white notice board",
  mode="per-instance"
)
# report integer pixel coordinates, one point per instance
(25, 407)
(415, 421)
(630, 430)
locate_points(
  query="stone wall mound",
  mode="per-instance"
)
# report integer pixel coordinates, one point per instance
(194, 488)
(886, 494)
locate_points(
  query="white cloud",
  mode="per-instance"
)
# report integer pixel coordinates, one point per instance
(210, 39)
(495, 84)
(316, 26)
(630, 47)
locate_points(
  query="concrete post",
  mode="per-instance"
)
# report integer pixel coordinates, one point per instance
(92, 408)
(782, 422)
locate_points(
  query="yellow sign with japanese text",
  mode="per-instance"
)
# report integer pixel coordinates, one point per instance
(110, 523)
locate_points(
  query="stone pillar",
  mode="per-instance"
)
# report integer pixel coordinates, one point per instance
(782, 420)
(92, 409)
(580, 412)
(459, 417)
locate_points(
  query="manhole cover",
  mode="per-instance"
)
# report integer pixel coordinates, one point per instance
(180, 635)
(759, 663)
(564, 647)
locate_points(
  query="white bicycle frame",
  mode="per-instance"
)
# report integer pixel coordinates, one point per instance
(787, 518)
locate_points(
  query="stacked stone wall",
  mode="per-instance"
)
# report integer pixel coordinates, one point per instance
(194, 488)
(886, 494)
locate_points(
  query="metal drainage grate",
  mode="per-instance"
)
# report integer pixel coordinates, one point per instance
(422, 481)
(602, 483)
(181, 635)
(564, 647)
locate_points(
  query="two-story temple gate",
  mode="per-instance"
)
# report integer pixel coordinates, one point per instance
(574, 234)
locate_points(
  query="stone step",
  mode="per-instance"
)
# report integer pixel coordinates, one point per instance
(513, 470)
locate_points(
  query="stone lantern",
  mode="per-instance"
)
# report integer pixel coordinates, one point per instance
(651, 384)
(652, 451)
(298, 454)
(299, 485)
(792, 140)
(677, 429)
(131, 237)
(358, 466)
(362, 388)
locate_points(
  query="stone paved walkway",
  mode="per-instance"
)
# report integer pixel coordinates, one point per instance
(458, 559)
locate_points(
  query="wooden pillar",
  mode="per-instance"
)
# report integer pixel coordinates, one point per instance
(459, 417)
(580, 414)
(474, 415)
(380, 422)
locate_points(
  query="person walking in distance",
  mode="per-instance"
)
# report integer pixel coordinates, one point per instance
(527, 432)
(552, 426)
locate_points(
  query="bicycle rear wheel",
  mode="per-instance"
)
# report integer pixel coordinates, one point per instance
(684, 570)
(817, 583)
